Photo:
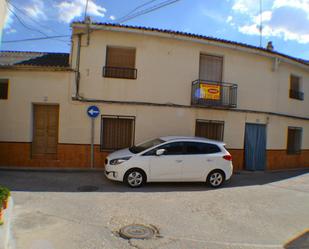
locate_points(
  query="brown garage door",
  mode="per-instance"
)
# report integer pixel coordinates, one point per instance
(45, 131)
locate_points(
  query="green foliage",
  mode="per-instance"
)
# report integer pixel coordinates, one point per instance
(4, 194)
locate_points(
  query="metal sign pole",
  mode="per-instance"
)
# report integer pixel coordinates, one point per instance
(93, 112)
(92, 144)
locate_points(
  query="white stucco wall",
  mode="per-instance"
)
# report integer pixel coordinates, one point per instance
(166, 68)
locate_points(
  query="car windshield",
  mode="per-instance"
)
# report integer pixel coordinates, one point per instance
(146, 145)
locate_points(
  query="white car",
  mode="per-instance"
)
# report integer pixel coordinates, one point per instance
(171, 159)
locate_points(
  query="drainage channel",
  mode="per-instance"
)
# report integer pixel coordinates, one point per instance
(138, 231)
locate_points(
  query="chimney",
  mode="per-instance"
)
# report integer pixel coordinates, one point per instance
(270, 46)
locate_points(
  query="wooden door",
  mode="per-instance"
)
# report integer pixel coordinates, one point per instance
(45, 131)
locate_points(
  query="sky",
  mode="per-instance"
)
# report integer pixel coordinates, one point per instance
(284, 22)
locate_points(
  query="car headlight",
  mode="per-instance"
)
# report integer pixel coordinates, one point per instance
(119, 160)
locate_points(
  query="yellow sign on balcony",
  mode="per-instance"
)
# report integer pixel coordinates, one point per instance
(209, 91)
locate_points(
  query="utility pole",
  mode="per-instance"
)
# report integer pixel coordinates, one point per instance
(261, 24)
(86, 8)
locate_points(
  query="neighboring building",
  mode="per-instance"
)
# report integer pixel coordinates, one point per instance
(148, 83)
(3, 13)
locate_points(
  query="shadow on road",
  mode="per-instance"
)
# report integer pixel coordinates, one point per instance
(63, 181)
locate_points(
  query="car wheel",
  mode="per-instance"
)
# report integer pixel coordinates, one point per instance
(215, 178)
(135, 178)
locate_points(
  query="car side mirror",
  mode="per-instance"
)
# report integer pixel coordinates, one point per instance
(160, 152)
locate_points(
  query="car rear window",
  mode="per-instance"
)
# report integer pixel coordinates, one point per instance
(200, 148)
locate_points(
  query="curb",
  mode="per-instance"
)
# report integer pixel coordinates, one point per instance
(5, 229)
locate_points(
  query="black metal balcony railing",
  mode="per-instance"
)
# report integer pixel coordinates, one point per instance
(120, 72)
(296, 94)
(215, 94)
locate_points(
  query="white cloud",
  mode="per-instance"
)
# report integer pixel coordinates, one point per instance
(68, 10)
(229, 19)
(112, 18)
(266, 16)
(36, 9)
(241, 6)
(285, 19)
(299, 4)
(285, 23)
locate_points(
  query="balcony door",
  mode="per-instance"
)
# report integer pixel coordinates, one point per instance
(211, 68)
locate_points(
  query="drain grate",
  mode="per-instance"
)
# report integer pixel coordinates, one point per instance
(87, 188)
(137, 231)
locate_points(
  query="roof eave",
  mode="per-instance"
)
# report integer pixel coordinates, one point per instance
(35, 68)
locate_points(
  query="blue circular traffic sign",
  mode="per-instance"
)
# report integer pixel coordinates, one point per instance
(93, 111)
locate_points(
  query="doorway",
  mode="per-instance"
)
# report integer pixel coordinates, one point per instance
(45, 131)
(255, 146)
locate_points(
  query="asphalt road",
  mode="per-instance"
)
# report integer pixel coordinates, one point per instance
(253, 210)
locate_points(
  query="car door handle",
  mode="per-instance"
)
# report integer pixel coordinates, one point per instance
(178, 161)
(209, 160)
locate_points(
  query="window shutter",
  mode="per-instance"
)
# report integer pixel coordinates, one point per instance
(294, 140)
(211, 67)
(294, 80)
(120, 57)
(209, 129)
(116, 132)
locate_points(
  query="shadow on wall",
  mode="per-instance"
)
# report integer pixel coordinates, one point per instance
(55, 181)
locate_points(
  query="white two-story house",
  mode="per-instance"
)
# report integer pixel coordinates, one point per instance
(149, 83)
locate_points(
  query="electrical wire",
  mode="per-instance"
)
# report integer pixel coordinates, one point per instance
(150, 9)
(23, 24)
(36, 39)
(33, 20)
(136, 8)
(26, 26)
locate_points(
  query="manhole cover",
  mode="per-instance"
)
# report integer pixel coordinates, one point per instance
(87, 188)
(137, 232)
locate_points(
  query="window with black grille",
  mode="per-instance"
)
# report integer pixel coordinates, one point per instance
(294, 140)
(117, 132)
(211, 129)
(295, 88)
(120, 63)
(4, 88)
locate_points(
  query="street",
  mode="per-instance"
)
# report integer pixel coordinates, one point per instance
(253, 210)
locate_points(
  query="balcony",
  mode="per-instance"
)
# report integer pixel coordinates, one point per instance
(120, 72)
(214, 94)
(294, 94)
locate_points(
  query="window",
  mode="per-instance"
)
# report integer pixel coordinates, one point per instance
(209, 129)
(146, 145)
(117, 132)
(175, 148)
(4, 88)
(295, 88)
(294, 140)
(192, 148)
(211, 67)
(120, 63)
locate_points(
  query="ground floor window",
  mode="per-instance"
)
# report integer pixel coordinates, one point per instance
(117, 132)
(211, 129)
(4, 88)
(294, 140)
